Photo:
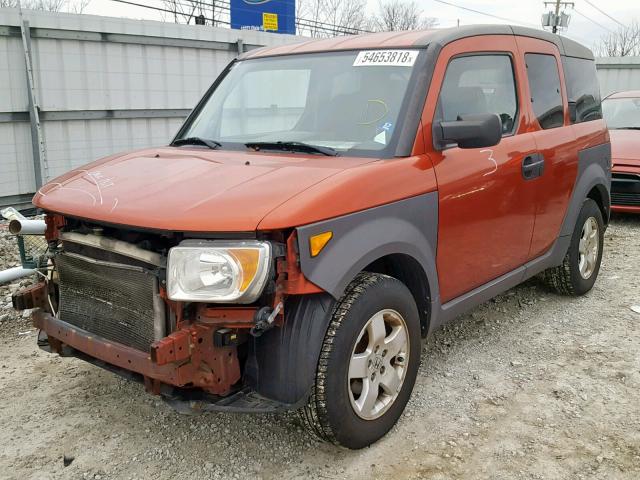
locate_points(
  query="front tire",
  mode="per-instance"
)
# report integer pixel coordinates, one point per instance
(581, 264)
(368, 363)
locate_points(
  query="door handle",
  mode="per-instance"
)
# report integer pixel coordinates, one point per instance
(532, 166)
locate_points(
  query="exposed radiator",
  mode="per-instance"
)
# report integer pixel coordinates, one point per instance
(116, 301)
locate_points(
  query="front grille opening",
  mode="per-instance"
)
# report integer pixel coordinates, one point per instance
(111, 300)
(625, 189)
(625, 199)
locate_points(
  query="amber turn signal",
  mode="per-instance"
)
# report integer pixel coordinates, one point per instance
(318, 242)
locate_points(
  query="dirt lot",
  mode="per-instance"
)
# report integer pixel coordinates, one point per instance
(531, 385)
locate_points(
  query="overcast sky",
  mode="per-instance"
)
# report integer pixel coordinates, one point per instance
(587, 23)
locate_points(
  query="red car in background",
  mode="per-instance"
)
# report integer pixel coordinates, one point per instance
(622, 112)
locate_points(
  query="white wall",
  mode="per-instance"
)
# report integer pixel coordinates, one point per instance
(618, 73)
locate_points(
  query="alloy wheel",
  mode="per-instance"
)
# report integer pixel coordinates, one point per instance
(588, 247)
(378, 364)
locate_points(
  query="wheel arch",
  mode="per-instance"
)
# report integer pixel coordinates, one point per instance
(400, 237)
(409, 271)
(600, 195)
(593, 181)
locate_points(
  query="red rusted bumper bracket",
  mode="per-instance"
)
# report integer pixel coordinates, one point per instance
(174, 348)
(214, 369)
(34, 296)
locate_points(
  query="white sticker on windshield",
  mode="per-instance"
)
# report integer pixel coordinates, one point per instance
(391, 58)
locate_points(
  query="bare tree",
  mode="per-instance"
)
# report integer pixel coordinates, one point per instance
(182, 12)
(347, 16)
(78, 6)
(328, 18)
(45, 5)
(73, 6)
(401, 15)
(624, 42)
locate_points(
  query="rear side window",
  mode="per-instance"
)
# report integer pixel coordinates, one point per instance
(479, 84)
(583, 89)
(544, 83)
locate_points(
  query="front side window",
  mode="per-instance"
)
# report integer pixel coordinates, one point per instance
(622, 113)
(349, 101)
(479, 84)
(544, 84)
(583, 89)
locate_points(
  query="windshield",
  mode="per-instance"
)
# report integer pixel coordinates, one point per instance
(621, 112)
(347, 101)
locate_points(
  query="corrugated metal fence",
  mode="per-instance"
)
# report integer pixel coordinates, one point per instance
(105, 85)
(102, 85)
(618, 73)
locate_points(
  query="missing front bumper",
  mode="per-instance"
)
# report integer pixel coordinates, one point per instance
(213, 369)
(184, 400)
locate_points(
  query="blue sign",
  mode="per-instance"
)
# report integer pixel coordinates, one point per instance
(277, 16)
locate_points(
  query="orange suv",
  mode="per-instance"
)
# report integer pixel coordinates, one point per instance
(323, 208)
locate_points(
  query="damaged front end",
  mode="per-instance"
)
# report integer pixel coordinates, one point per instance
(114, 297)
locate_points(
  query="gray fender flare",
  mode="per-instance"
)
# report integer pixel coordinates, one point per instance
(408, 226)
(593, 170)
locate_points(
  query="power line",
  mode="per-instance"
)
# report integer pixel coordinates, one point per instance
(593, 21)
(510, 20)
(227, 7)
(605, 14)
(151, 7)
(300, 22)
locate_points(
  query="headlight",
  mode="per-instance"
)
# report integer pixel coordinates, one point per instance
(218, 271)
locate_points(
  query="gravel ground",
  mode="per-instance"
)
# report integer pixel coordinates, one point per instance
(529, 385)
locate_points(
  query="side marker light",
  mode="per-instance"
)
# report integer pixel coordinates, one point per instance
(318, 242)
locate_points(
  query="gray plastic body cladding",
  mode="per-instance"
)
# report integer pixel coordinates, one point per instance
(282, 362)
(408, 227)
(467, 301)
(593, 170)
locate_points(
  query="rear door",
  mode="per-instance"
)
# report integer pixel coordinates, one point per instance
(554, 138)
(486, 207)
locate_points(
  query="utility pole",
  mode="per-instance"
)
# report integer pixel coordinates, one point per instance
(555, 27)
(40, 164)
(556, 19)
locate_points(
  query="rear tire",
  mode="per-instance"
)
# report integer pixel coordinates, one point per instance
(368, 363)
(579, 269)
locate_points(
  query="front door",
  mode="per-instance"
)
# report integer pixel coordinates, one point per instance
(486, 206)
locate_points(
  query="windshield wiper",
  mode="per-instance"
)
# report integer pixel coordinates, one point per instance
(293, 147)
(212, 144)
(627, 128)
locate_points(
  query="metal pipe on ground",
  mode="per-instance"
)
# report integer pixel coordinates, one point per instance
(15, 273)
(19, 226)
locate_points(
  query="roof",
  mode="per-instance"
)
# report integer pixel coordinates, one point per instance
(626, 94)
(420, 38)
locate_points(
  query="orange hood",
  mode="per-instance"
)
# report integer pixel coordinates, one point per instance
(187, 189)
(625, 147)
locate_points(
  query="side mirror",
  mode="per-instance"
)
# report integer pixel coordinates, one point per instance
(469, 131)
